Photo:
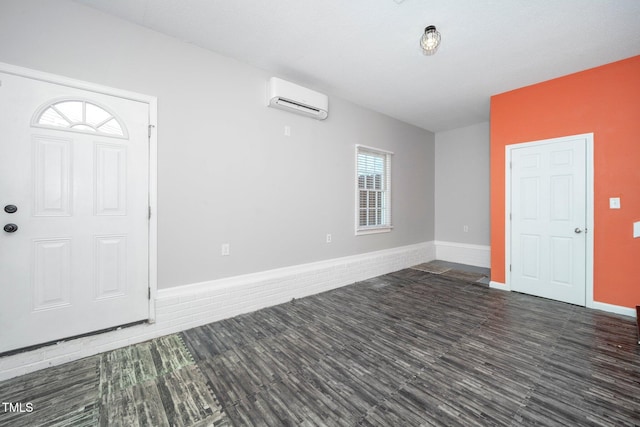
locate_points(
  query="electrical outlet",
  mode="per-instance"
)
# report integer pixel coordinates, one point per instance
(287, 131)
(614, 203)
(328, 238)
(465, 228)
(226, 250)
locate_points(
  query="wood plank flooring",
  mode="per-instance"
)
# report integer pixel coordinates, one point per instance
(155, 383)
(417, 347)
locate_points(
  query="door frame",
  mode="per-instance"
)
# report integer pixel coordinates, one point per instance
(589, 302)
(152, 102)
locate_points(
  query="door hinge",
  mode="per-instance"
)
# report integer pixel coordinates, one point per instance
(149, 212)
(509, 267)
(149, 130)
(510, 216)
(149, 296)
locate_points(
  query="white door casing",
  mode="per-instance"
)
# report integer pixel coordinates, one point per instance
(549, 243)
(80, 259)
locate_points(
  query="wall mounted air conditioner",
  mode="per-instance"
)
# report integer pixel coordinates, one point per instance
(297, 99)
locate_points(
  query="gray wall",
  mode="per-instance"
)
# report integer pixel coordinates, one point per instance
(226, 172)
(462, 185)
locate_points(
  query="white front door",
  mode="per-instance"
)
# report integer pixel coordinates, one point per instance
(548, 219)
(74, 254)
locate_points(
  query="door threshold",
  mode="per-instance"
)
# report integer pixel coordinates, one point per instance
(51, 343)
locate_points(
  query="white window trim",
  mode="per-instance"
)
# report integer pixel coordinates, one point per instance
(360, 231)
(52, 103)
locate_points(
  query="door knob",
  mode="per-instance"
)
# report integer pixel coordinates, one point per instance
(10, 228)
(578, 230)
(11, 209)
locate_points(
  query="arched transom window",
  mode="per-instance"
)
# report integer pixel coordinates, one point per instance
(81, 116)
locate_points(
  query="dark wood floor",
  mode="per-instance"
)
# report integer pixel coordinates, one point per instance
(415, 348)
(405, 349)
(155, 383)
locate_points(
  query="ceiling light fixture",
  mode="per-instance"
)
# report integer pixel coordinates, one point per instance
(430, 40)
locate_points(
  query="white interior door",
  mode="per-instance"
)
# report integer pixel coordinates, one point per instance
(548, 219)
(75, 164)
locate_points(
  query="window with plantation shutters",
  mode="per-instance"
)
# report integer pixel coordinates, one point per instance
(373, 190)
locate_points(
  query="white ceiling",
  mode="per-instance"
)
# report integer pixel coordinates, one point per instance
(367, 50)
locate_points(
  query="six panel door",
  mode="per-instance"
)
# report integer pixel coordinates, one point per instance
(76, 165)
(548, 219)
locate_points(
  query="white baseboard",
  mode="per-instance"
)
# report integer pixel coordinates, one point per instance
(188, 306)
(224, 298)
(610, 308)
(616, 309)
(498, 285)
(464, 253)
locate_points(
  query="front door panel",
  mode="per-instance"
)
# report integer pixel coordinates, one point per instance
(76, 165)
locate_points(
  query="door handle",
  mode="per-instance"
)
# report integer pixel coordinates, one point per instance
(11, 209)
(10, 228)
(578, 230)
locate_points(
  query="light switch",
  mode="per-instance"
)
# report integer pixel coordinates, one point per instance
(636, 229)
(614, 203)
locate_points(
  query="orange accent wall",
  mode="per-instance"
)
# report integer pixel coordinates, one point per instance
(603, 100)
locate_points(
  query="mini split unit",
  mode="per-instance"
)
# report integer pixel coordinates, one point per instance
(297, 99)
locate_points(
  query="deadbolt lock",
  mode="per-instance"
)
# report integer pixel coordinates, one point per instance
(10, 228)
